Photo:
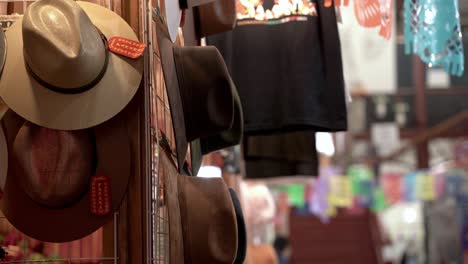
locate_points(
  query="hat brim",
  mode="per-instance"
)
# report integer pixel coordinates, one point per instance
(166, 53)
(3, 149)
(209, 222)
(75, 221)
(241, 229)
(3, 159)
(230, 137)
(54, 110)
(225, 139)
(3, 49)
(171, 196)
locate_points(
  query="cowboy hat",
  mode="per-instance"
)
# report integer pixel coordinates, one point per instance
(53, 174)
(199, 88)
(225, 139)
(207, 218)
(58, 72)
(241, 229)
(216, 17)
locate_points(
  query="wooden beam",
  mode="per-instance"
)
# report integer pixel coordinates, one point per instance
(411, 133)
(419, 78)
(431, 133)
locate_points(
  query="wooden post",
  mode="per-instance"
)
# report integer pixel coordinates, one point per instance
(132, 228)
(419, 78)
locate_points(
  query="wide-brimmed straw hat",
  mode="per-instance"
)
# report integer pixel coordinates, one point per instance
(59, 72)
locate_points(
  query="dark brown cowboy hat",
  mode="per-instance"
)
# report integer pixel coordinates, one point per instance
(199, 88)
(203, 225)
(48, 189)
(225, 139)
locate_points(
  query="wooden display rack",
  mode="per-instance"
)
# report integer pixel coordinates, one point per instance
(130, 238)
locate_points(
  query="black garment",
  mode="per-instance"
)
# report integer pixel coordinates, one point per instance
(287, 154)
(289, 74)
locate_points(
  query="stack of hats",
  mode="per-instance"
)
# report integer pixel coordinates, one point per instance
(69, 69)
(206, 223)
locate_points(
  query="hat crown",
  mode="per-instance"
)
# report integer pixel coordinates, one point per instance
(210, 220)
(55, 166)
(62, 47)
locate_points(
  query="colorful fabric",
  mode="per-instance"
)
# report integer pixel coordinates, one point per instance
(358, 174)
(367, 12)
(425, 187)
(341, 194)
(409, 184)
(432, 31)
(296, 195)
(386, 25)
(379, 202)
(392, 187)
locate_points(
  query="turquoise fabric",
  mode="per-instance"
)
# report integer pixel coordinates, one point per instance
(432, 31)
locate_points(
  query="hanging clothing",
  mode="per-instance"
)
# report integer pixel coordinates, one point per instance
(287, 154)
(286, 64)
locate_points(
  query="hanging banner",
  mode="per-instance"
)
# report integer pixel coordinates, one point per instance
(296, 195)
(439, 181)
(366, 191)
(331, 210)
(409, 184)
(366, 56)
(425, 187)
(386, 26)
(392, 187)
(367, 12)
(379, 203)
(356, 208)
(453, 184)
(341, 194)
(319, 205)
(357, 174)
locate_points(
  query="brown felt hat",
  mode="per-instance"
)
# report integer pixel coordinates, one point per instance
(216, 17)
(53, 175)
(200, 91)
(203, 225)
(59, 72)
(225, 139)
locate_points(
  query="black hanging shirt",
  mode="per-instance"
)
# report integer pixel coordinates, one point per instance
(284, 57)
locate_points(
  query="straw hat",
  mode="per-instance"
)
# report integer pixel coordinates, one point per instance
(203, 225)
(59, 73)
(49, 191)
(200, 91)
